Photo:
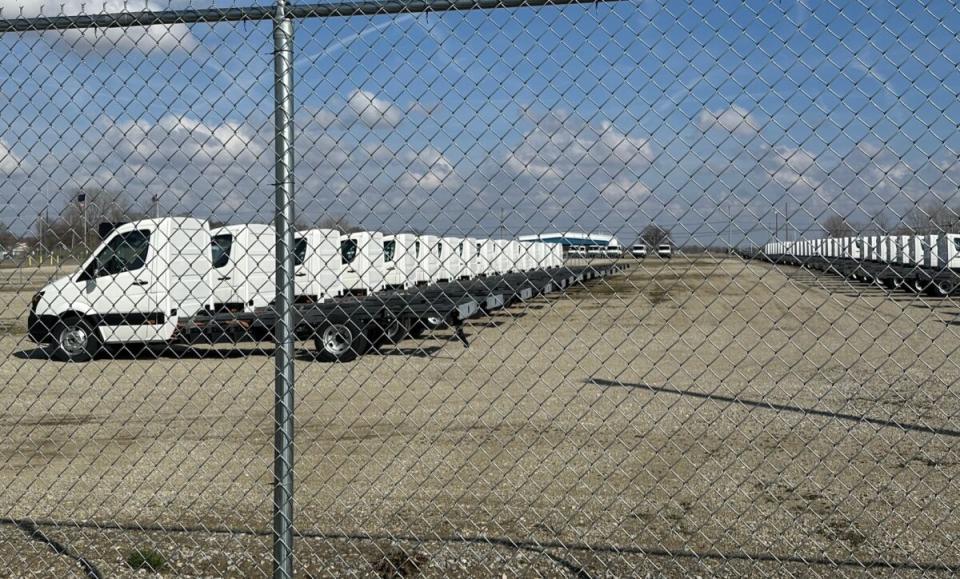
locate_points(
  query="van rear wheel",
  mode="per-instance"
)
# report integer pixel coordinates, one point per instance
(76, 341)
(340, 343)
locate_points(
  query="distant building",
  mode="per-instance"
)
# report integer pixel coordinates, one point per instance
(578, 242)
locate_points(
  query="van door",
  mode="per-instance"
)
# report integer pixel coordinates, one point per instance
(225, 295)
(301, 279)
(118, 286)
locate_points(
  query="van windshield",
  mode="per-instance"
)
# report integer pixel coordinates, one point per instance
(389, 247)
(124, 252)
(348, 250)
(299, 251)
(220, 246)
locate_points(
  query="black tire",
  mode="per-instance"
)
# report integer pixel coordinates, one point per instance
(395, 332)
(939, 289)
(340, 343)
(914, 286)
(417, 331)
(76, 340)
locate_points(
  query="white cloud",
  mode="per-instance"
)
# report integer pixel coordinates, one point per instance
(10, 163)
(563, 156)
(428, 169)
(162, 38)
(733, 119)
(373, 111)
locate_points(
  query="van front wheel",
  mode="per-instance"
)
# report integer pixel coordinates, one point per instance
(77, 341)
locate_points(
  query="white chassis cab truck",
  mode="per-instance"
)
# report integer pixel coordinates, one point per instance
(244, 267)
(362, 272)
(317, 265)
(484, 257)
(401, 261)
(143, 278)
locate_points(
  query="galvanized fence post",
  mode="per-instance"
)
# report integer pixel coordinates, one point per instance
(283, 403)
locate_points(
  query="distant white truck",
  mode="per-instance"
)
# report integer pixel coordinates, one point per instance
(401, 256)
(664, 251)
(452, 265)
(244, 267)
(638, 250)
(363, 268)
(317, 265)
(484, 258)
(143, 278)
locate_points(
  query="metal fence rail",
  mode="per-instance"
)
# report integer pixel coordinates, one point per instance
(552, 288)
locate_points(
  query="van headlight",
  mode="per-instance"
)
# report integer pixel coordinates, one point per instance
(35, 300)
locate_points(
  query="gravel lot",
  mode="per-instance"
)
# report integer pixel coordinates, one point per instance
(751, 417)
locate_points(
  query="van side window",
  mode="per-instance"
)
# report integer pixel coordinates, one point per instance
(348, 250)
(220, 246)
(460, 249)
(125, 252)
(956, 244)
(416, 248)
(299, 251)
(439, 248)
(389, 247)
(478, 249)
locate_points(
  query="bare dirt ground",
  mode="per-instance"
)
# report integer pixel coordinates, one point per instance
(695, 416)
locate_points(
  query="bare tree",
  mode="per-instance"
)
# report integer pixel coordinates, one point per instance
(881, 223)
(78, 223)
(653, 235)
(338, 222)
(836, 226)
(7, 238)
(933, 216)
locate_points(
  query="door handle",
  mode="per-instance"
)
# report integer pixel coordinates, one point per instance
(139, 282)
(301, 274)
(224, 278)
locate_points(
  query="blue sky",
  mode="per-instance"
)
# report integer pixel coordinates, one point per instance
(599, 118)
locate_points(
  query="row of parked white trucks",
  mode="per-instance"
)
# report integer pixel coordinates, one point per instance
(148, 276)
(917, 263)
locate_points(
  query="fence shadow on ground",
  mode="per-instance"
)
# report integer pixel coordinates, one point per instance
(860, 419)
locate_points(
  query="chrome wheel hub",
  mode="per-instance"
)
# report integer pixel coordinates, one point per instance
(73, 340)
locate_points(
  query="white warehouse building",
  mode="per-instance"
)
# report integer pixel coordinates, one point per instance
(573, 242)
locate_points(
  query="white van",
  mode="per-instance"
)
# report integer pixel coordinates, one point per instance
(362, 272)
(664, 251)
(138, 283)
(484, 256)
(638, 251)
(929, 244)
(948, 250)
(244, 267)
(317, 265)
(401, 255)
(430, 249)
(451, 259)
(503, 257)
(556, 251)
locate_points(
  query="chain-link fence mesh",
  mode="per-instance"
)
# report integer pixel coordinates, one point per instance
(604, 289)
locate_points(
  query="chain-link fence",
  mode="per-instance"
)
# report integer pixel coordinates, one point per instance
(484, 288)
